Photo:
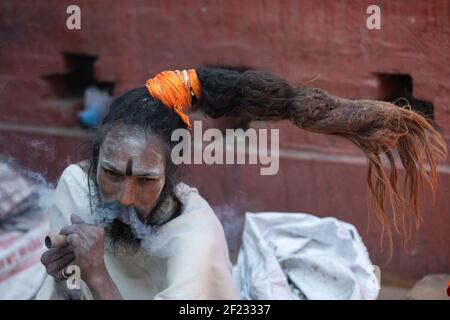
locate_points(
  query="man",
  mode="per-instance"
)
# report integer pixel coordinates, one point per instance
(133, 233)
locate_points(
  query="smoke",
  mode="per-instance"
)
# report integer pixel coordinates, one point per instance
(43, 202)
(106, 213)
(42, 191)
(232, 217)
(43, 148)
(34, 177)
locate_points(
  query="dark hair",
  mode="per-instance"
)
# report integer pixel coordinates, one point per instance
(375, 127)
(137, 109)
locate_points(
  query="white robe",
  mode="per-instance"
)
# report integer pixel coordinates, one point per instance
(192, 261)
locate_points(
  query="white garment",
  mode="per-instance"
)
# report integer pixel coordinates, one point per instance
(300, 256)
(192, 261)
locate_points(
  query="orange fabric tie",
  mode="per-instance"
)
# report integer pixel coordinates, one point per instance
(175, 90)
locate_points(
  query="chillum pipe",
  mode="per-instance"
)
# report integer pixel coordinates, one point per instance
(55, 241)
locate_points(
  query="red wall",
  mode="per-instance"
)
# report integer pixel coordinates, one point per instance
(325, 42)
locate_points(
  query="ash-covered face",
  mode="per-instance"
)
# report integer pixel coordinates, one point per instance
(131, 169)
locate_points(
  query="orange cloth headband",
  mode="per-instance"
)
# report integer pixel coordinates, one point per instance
(175, 90)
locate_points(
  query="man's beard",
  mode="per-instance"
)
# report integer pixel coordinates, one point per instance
(125, 233)
(121, 238)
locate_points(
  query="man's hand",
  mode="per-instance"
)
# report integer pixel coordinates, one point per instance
(87, 243)
(56, 260)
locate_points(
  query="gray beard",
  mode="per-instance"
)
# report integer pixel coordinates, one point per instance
(125, 233)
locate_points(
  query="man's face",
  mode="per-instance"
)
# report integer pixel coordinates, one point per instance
(131, 169)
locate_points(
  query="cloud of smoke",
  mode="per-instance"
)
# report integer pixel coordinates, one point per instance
(105, 213)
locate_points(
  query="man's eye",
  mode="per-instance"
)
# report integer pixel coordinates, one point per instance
(145, 179)
(111, 173)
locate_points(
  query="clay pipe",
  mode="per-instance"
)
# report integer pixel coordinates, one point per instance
(55, 241)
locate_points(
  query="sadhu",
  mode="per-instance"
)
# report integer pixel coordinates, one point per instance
(155, 237)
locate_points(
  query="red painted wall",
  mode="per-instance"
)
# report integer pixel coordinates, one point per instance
(324, 42)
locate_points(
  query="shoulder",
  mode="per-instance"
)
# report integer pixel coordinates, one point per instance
(74, 178)
(198, 264)
(196, 212)
(77, 170)
(196, 225)
(70, 196)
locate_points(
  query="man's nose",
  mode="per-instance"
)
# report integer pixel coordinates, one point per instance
(127, 195)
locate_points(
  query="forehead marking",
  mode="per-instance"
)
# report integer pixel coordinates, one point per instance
(129, 170)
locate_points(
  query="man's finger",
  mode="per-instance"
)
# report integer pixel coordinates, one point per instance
(54, 254)
(73, 239)
(75, 219)
(61, 263)
(73, 228)
(54, 269)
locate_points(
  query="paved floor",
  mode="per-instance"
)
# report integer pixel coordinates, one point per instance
(393, 293)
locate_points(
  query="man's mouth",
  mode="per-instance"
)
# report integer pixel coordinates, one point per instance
(131, 215)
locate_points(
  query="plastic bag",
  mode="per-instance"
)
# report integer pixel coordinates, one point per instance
(300, 256)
